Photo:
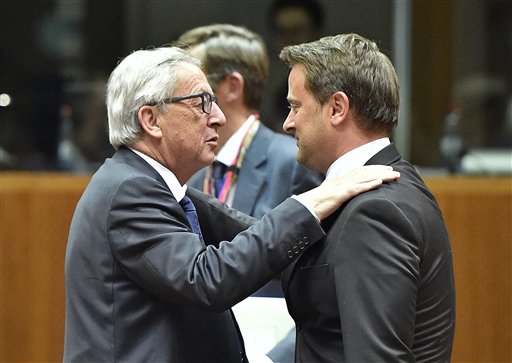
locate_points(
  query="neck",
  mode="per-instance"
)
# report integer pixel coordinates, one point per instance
(352, 137)
(180, 171)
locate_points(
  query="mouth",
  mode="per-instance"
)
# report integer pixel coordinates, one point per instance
(213, 140)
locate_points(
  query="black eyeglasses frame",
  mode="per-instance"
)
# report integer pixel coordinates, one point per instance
(207, 100)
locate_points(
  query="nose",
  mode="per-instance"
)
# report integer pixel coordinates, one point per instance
(289, 125)
(216, 117)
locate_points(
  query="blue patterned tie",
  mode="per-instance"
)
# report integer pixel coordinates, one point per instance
(218, 171)
(190, 209)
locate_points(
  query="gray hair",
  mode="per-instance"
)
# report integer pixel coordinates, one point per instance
(143, 77)
(352, 64)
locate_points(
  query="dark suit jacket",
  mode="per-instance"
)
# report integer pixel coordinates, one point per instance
(142, 287)
(270, 173)
(380, 287)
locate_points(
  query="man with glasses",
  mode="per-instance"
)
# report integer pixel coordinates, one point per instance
(144, 282)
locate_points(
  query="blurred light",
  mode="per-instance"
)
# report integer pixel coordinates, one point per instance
(5, 100)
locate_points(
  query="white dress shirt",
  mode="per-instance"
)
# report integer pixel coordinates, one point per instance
(356, 158)
(170, 179)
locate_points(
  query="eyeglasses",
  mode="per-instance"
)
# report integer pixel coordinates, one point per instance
(207, 100)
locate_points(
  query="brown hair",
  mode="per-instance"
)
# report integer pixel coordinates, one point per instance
(352, 64)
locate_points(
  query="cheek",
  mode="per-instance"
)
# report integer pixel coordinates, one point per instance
(309, 126)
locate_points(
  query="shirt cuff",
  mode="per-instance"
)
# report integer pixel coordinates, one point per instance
(308, 208)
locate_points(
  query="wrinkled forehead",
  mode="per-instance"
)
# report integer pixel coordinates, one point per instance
(190, 78)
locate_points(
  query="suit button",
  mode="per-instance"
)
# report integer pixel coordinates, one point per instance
(306, 241)
(301, 245)
(295, 250)
(289, 254)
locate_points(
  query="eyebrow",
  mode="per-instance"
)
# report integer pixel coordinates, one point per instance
(201, 90)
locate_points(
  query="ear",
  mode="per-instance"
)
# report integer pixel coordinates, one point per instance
(149, 120)
(339, 106)
(235, 86)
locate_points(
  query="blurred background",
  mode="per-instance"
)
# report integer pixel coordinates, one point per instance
(453, 57)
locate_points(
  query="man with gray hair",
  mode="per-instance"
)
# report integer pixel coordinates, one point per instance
(144, 283)
(380, 287)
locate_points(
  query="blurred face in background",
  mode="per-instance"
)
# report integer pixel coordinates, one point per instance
(294, 26)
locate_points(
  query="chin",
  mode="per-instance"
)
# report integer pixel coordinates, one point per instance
(308, 163)
(209, 160)
(302, 160)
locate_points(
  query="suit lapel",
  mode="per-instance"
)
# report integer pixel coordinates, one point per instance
(253, 175)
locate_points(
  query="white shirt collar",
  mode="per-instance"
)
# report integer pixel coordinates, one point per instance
(229, 151)
(170, 179)
(356, 158)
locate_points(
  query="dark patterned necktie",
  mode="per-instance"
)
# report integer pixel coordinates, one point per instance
(218, 171)
(190, 209)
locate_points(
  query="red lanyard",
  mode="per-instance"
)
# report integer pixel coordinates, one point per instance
(231, 175)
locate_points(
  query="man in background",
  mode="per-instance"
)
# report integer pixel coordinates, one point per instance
(255, 169)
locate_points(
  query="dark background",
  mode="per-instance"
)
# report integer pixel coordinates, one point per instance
(56, 55)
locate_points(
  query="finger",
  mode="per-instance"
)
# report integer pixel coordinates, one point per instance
(358, 188)
(385, 174)
(369, 185)
(390, 176)
(378, 167)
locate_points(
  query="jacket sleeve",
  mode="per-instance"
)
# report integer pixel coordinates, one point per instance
(212, 214)
(151, 241)
(376, 277)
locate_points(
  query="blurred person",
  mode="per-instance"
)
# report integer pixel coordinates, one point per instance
(485, 126)
(143, 282)
(291, 22)
(482, 101)
(83, 143)
(258, 167)
(295, 21)
(380, 286)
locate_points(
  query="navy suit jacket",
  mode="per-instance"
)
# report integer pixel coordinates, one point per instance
(270, 173)
(142, 287)
(380, 287)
